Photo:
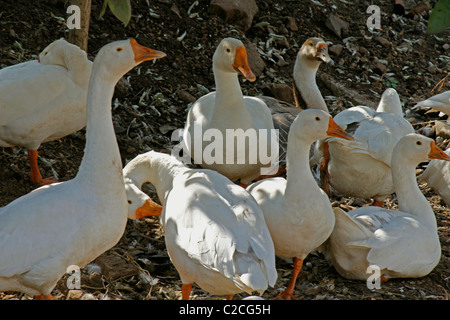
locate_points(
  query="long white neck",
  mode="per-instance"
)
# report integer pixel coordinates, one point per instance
(305, 80)
(298, 170)
(101, 164)
(157, 168)
(410, 198)
(229, 101)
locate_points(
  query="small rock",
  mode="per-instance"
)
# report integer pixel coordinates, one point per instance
(336, 49)
(114, 267)
(12, 33)
(442, 129)
(186, 96)
(255, 62)
(446, 46)
(291, 24)
(279, 91)
(239, 13)
(337, 25)
(432, 69)
(383, 41)
(379, 68)
(74, 295)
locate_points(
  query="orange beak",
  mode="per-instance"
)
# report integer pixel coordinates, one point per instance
(437, 153)
(335, 131)
(241, 66)
(149, 208)
(142, 53)
(322, 53)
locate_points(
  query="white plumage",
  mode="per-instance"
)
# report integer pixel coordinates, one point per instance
(361, 168)
(214, 230)
(44, 101)
(297, 212)
(401, 243)
(71, 223)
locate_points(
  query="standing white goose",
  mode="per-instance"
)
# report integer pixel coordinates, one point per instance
(214, 230)
(361, 168)
(297, 212)
(312, 53)
(44, 101)
(227, 110)
(402, 243)
(71, 223)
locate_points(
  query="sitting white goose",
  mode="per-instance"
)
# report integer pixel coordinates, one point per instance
(71, 223)
(361, 168)
(227, 110)
(44, 100)
(402, 244)
(214, 230)
(297, 212)
(437, 177)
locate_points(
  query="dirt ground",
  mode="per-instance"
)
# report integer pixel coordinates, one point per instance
(145, 113)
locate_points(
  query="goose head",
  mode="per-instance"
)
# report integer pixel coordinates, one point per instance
(139, 203)
(415, 148)
(70, 57)
(390, 102)
(56, 53)
(122, 56)
(317, 124)
(315, 50)
(231, 56)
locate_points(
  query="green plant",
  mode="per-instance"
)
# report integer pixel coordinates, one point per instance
(120, 8)
(439, 17)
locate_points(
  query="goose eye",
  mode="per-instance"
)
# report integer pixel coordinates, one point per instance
(228, 50)
(119, 49)
(45, 53)
(317, 118)
(129, 202)
(419, 143)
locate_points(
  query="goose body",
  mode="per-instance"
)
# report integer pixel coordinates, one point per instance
(71, 223)
(297, 212)
(401, 243)
(361, 168)
(44, 100)
(227, 109)
(215, 232)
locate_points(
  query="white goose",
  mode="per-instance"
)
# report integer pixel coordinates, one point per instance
(44, 101)
(361, 168)
(437, 177)
(214, 230)
(312, 53)
(437, 173)
(439, 102)
(402, 243)
(227, 109)
(297, 212)
(71, 223)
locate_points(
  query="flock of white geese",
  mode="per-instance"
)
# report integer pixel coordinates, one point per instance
(223, 224)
